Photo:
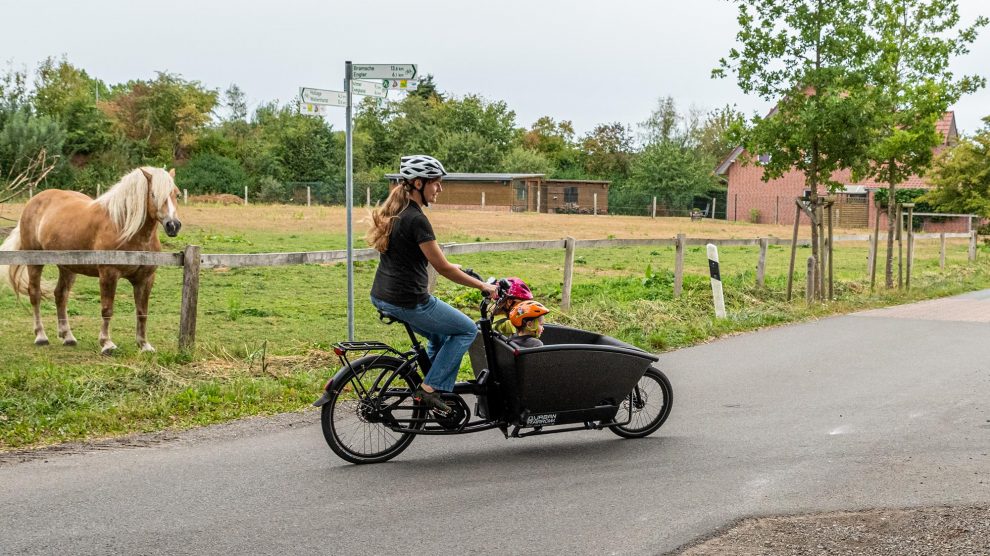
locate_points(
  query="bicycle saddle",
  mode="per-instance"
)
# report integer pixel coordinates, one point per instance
(387, 318)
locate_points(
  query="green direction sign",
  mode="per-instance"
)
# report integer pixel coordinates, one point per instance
(383, 71)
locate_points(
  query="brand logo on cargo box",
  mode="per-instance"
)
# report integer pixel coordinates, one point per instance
(540, 420)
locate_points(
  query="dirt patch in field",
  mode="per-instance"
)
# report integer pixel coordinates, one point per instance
(218, 198)
(931, 530)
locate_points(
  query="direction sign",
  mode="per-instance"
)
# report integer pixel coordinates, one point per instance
(400, 84)
(368, 88)
(383, 71)
(310, 109)
(323, 96)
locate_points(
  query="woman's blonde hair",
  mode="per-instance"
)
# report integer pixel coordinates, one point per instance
(383, 217)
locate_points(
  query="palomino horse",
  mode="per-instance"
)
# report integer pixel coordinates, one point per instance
(125, 218)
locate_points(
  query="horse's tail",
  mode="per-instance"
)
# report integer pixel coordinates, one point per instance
(16, 275)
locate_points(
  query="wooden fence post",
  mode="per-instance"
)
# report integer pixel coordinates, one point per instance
(679, 265)
(809, 294)
(972, 246)
(790, 269)
(654, 213)
(714, 199)
(870, 253)
(185, 196)
(565, 292)
(482, 199)
(538, 199)
(941, 251)
(98, 188)
(761, 264)
(876, 246)
(190, 298)
(367, 197)
(910, 244)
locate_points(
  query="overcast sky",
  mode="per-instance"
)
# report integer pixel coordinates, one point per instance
(586, 61)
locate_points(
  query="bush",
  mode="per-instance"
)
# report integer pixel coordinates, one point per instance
(270, 190)
(211, 173)
(754, 216)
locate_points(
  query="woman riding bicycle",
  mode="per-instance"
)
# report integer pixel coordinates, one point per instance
(404, 237)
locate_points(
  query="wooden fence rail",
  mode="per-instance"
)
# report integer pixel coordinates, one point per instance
(193, 261)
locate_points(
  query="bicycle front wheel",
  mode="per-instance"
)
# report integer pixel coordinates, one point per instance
(651, 401)
(352, 419)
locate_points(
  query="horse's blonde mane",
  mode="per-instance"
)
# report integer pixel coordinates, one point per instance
(127, 201)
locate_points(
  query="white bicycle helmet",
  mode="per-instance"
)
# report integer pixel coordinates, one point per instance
(421, 166)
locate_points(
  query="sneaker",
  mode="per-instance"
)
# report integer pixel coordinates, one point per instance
(432, 400)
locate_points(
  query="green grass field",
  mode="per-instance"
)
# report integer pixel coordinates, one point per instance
(263, 334)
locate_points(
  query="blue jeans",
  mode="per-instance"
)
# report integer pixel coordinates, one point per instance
(449, 332)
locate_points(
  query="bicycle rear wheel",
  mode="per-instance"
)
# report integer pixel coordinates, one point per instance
(651, 401)
(352, 419)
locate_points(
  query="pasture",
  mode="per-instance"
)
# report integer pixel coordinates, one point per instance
(264, 333)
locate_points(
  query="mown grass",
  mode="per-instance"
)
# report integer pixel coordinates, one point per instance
(264, 334)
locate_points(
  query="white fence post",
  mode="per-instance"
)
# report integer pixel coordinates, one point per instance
(245, 195)
(716, 279)
(714, 200)
(367, 202)
(972, 246)
(595, 210)
(654, 212)
(482, 199)
(309, 196)
(537, 198)
(97, 190)
(185, 196)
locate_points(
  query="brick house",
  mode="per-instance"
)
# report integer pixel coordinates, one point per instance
(751, 199)
(520, 193)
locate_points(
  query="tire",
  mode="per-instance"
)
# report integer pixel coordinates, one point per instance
(350, 434)
(656, 396)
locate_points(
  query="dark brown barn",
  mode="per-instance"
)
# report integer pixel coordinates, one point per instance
(521, 193)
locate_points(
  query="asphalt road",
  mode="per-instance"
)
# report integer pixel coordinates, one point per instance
(883, 409)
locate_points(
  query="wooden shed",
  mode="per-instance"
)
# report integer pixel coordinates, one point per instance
(520, 193)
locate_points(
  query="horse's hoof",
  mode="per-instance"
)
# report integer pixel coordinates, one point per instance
(70, 343)
(108, 350)
(41, 342)
(147, 348)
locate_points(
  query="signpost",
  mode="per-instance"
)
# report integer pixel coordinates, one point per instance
(382, 71)
(401, 84)
(368, 88)
(316, 101)
(325, 97)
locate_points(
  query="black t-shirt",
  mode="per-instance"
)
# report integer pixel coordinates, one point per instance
(401, 278)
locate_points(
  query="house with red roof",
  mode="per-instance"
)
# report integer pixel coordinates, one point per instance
(772, 202)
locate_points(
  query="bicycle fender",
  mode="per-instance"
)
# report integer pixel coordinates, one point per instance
(338, 378)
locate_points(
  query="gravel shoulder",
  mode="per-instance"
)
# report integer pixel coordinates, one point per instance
(929, 530)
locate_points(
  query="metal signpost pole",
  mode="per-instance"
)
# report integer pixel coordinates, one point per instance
(349, 200)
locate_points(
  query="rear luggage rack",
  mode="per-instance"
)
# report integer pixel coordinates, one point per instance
(364, 346)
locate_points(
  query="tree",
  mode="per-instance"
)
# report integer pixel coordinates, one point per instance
(809, 57)
(962, 176)
(521, 160)
(235, 103)
(69, 95)
(555, 141)
(713, 137)
(912, 87)
(162, 117)
(608, 150)
(210, 173)
(672, 173)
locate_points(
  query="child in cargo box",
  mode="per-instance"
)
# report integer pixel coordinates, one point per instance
(527, 318)
(518, 291)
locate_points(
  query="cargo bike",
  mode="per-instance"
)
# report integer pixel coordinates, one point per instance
(578, 380)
